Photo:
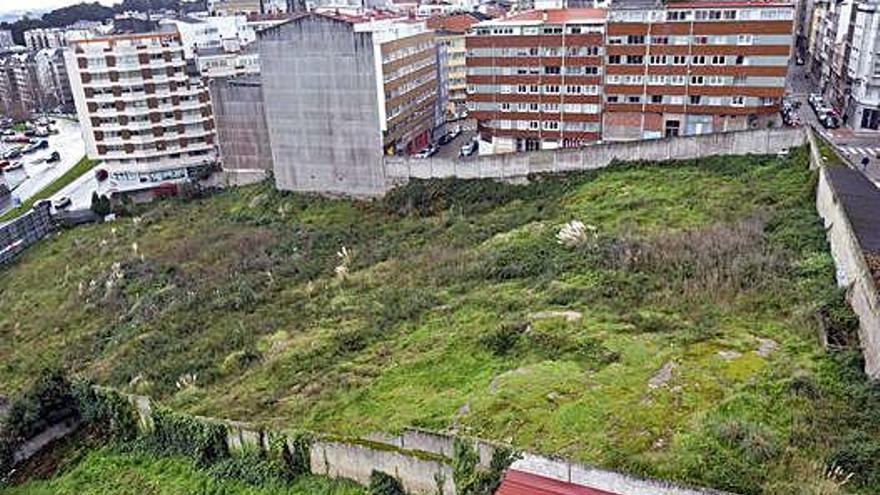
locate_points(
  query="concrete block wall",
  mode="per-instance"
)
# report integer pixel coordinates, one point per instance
(513, 165)
(417, 474)
(242, 134)
(18, 234)
(852, 268)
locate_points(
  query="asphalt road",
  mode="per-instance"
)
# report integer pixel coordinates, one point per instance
(854, 146)
(453, 148)
(38, 174)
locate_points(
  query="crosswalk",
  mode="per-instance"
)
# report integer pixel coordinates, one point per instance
(857, 152)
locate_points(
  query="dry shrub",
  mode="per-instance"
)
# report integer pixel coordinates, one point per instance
(712, 261)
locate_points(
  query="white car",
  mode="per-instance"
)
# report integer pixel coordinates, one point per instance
(62, 203)
(469, 148)
(427, 152)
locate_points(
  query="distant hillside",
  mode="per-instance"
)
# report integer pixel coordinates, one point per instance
(94, 11)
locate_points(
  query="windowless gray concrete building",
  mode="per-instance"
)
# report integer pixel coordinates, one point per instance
(339, 92)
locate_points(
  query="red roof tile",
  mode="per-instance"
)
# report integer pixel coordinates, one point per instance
(457, 23)
(520, 483)
(559, 15)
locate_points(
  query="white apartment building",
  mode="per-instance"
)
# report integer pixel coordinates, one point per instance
(140, 112)
(221, 46)
(863, 69)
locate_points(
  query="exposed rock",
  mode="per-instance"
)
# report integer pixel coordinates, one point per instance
(729, 355)
(568, 315)
(662, 376)
(493, 386)
(766, 347)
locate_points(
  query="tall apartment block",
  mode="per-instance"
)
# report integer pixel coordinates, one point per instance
(639, 70)
(862, 111)
(340, 91)
(140, 112)
(20, 91)
(450, 31)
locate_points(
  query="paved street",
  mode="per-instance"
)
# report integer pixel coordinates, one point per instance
(36, 173)
(852, 146)
(452, 149)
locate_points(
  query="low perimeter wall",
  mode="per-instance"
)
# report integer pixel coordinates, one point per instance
(18, 234)
(400, 169)
(849, 205)
(420, 459)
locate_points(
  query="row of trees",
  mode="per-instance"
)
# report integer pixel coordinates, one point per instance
(94, 11)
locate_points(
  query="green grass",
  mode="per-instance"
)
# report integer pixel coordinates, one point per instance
(107, 471)
(696, 263)
(81, 167)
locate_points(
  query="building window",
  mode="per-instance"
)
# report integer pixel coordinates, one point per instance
(534, 125)
(718, 59)
(550, 125)
(551, 69)
(737, 101)
(656, 98)
(613, 59)
(633, 99)
(660, 40)
(635, 39)
(679, 59)
(741, 60)
(695, 99)
(698, 60)
(701, 40)
(612, 98)
(697, 80)
(672, 128)
(744, 39)
(658, 60)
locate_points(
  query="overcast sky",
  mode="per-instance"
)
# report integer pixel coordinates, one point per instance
(7, 6)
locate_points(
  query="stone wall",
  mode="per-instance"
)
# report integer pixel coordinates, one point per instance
(18, 234)
(512, 165)
(850, 209)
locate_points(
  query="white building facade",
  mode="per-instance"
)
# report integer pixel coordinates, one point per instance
(140, 112)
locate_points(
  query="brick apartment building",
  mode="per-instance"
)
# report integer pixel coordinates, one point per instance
(639, 70)
(140, 112)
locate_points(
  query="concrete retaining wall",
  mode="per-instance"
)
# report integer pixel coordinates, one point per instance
(18, 234)
(417, 474)
(848, 253)
(512, 165)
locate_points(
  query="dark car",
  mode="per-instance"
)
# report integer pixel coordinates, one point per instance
(54, 157)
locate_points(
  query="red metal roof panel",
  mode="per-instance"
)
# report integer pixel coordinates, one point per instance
(521, 483)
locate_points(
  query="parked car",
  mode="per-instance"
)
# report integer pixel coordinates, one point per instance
(829, 121)
(42, 132)
(54, 157)
(62, 203)
(469, 148)
(12, 153)
(783, 153)
(13, 166)
(427, 152)
(799, 61)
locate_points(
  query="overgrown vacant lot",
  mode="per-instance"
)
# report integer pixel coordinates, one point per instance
(679, 338)
(121, 472)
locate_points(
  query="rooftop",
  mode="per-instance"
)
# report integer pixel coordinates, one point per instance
(556, 16)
